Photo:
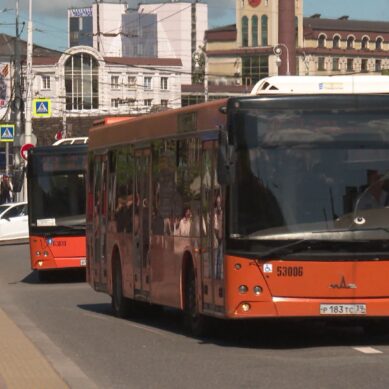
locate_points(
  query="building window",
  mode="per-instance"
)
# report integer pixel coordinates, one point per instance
(147, 83)
(81, 82)
(131, 82)
(115, 103)
(336, 42)
(365, 43)
(164, 83)
(378, 65)
(350, 64)
(254, 69)
(350, 42)
(322, 41)
(245, 31)
(264, 28)
(148, 102)
(254, 31)
(378, 44)
(320, 64)
(46, 82)
(364, 65)
(114, 82)
(335, 64)
(164, 103)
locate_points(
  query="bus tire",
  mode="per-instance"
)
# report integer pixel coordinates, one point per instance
(195, 323)
(120, 304)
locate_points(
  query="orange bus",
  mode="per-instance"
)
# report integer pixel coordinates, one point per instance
(56, 208)
(253, 207)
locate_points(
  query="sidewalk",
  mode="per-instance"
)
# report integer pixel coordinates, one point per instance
(21, 364)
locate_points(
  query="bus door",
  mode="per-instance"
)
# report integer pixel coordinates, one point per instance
(100, 221)
(142, 223)
(212, 200)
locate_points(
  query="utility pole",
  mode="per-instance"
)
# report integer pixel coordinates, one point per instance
(28, 113)
(18, 94)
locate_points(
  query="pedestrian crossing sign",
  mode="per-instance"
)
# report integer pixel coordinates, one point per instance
(41, 108)
(7, 132)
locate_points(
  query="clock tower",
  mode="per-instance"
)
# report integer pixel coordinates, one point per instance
(267, 23)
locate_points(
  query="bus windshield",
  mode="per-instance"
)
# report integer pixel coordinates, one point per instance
(310, 175)
(57, 190)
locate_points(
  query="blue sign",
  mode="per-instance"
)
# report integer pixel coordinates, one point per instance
(41, 108)
(7, 132)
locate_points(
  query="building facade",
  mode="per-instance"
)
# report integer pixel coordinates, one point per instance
(82, 86)
(272, 37)
(168, 30)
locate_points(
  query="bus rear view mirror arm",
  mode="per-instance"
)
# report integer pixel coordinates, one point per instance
(224, 160)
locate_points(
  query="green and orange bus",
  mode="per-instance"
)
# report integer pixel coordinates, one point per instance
(263, 206)
(56, 208)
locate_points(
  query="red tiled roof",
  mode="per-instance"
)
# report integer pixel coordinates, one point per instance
(221, 34)
(345, 25)
(143, 61)
(52, 60)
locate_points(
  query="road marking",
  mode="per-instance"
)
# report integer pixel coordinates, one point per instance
(367, 350)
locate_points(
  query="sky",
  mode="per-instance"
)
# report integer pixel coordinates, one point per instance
(50, 17)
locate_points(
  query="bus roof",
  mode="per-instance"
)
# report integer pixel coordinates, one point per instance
(198, 117)
(321, 85)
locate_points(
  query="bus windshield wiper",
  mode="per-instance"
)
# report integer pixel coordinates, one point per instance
(290, 248)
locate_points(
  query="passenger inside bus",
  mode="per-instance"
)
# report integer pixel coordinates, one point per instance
(185, 223)
(373, 194)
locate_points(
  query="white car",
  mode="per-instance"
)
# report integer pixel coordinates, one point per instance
(13, 221)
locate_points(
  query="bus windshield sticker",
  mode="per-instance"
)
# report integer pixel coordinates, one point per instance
(45, 222)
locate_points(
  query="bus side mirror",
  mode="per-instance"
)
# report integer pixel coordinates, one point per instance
(18, 179)
(224, 160)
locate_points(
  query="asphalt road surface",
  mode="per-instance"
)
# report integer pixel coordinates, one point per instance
(74, 328)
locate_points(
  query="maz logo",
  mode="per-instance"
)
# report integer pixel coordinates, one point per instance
(343, 285)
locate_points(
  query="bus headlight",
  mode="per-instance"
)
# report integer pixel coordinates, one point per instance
(38, 253)
(243, 289)
(45, 254)
(246, 307)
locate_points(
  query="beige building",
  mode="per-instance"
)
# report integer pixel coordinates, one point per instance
(269, 39)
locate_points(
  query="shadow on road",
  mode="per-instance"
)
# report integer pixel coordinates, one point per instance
(265, 333)
(55, 276)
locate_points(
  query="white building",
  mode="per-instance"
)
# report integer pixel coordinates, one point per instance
(180, 30)
(82, 84)
(165, 30)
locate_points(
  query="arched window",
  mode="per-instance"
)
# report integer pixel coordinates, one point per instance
(81, 82)
(336, 42)
(322, 41)
(378, 44)
(350, 42)
(365, 42)
(254, 30)
(245, 31)
(264, 28)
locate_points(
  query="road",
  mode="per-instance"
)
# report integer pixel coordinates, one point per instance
(73, 326)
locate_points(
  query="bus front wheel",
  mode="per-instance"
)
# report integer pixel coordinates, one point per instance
(120, 304)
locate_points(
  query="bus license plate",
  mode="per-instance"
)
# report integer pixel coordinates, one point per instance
(343, 309)
(83, 262)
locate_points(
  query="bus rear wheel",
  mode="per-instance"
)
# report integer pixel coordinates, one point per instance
(120, 304)
(195, 323)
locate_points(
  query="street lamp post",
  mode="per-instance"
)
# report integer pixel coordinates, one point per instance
(198, 56)
(277, 50)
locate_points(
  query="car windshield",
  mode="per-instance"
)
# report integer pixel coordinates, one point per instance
(321, 175)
